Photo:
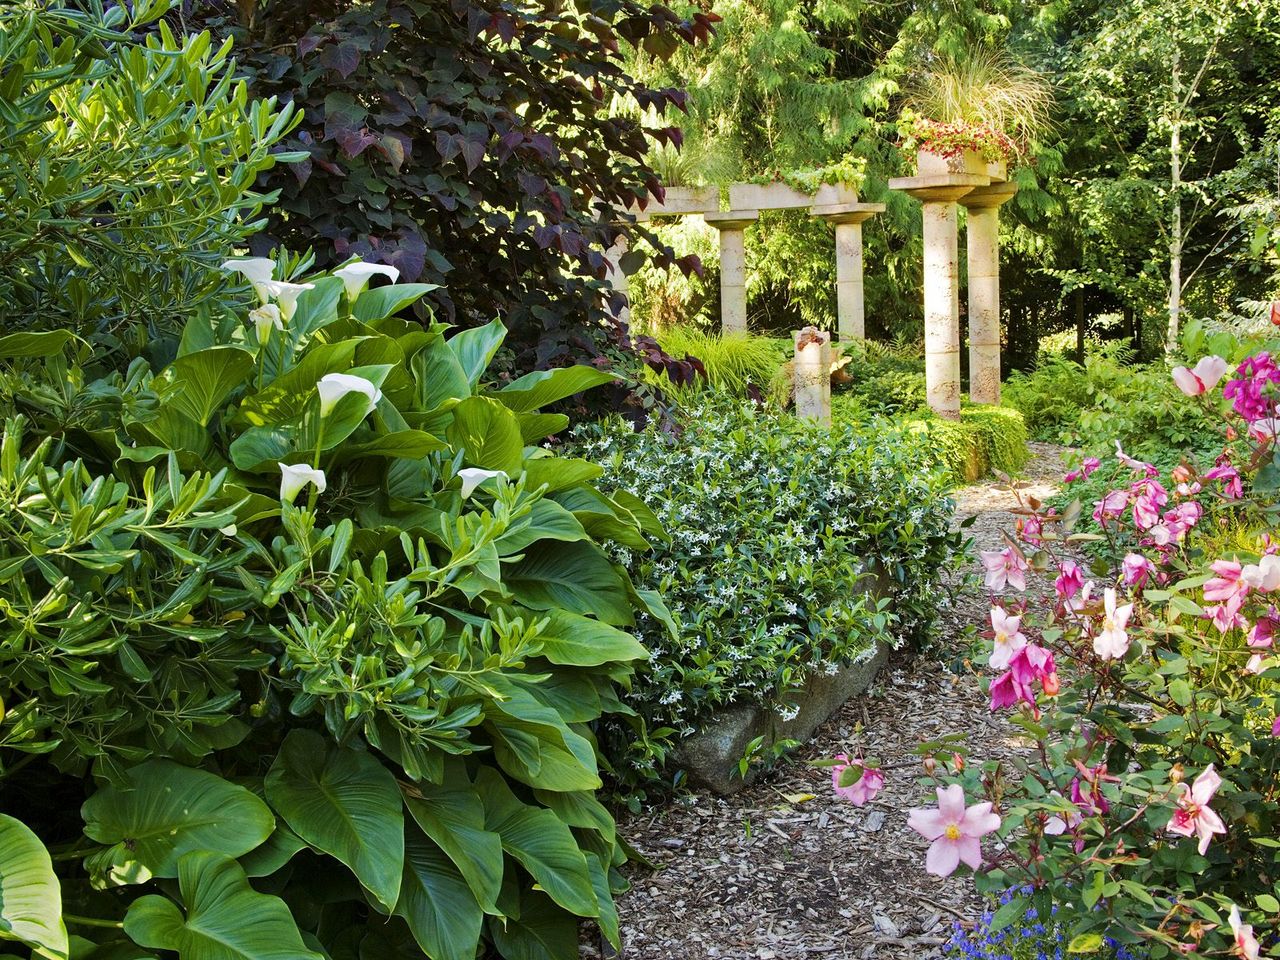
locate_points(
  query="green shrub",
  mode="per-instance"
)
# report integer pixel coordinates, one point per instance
(128, 168)
(377, 703)
(772, 523)
(732, 361)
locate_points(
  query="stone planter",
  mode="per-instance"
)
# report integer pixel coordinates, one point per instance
(834, 193)
(710, 757)
(998, 171)
(767, 196)
(681, 200)
(935, 165)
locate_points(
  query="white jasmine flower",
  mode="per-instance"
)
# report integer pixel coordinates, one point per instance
(334, 386)
(293, 477)
(356, 275)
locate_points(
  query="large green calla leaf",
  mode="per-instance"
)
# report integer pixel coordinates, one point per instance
(164, 810)
(344, 802)
(30, 897)
(380, 302)
(488, 434)
(199, 383)
(574, 576)
(533, 744)
(454, 819)
(542, 844)
(437, 903)
(546, 520)
(286, 397)
(542, 387)
(475, 348)
(316, 308)
(438, 376)
(225, 918)
(559, 473)
(540, 931)
(577, 641)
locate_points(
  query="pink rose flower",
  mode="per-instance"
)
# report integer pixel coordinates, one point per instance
(1232, 488)
(1193, 816)
(1204, 376)
(1008, 691)
(1137, 569)
(1008, 638)
(1229, 582)
(1070, 579)
(1275, 728)
(1111, 505)
(1246, 943)
(955, 831)
(1141, 466)
(1003, 567)
(1263, 576)
(1112, 641)
(864, 789)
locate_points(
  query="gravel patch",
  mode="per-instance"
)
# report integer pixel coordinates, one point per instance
(785, 870)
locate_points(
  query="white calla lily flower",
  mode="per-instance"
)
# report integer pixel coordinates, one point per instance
(265, 318)
(472, 477)
(259, 271)
(357, 274)
(334, 386)
(295, 476)
(286, 295)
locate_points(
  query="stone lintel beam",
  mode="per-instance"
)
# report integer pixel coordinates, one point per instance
(939, 188)
(846, 212)
(993, 195)
(733, 266)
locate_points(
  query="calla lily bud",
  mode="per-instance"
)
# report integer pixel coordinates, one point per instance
(356, 275)
(293, 477)
(334, 386)
(265, 318)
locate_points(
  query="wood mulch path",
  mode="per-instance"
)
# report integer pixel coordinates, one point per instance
(785, 870)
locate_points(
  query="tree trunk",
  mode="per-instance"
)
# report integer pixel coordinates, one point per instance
(1131, 328)
(1175, 224)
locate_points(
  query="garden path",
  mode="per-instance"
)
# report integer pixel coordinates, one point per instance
(784, 870)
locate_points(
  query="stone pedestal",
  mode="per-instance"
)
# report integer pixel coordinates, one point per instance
(617, 279)
(983, 236)
(848, 219)
(939, 194)
(812, 374)
(733, 266)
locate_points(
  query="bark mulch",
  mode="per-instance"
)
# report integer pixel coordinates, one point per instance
(785, 870)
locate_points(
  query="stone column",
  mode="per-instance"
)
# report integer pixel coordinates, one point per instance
(811, 374)
(983, 236)
(939, 194)
(847, 219)
(733, 266)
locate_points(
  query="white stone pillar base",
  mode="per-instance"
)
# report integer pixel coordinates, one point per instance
(812, 374)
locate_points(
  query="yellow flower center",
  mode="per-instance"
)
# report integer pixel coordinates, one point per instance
(1108, 624)
(1001, 637)
(952, 832)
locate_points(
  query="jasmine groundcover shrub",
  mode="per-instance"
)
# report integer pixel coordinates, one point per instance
(1146, 807)
(304, 639)
(777, 529)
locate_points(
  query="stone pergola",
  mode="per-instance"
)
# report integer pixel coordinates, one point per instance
(942, 186)
(835, 203)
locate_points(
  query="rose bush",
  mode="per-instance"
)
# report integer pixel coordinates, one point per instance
(1146, 809)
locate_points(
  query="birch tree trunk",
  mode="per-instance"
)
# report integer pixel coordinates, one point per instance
(1175, 224)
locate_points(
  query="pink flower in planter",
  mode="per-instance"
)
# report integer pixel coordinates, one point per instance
(956, 832)
(1137, 569)
(1202, 377)
(1246, 943)
(861, 791)
(1003, 567)
(1193, 816)
(1112, 641)
(1070, 580)
(1008, 638)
